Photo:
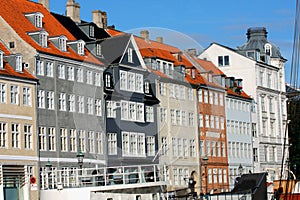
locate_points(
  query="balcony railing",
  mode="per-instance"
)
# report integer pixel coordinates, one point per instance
(105, 176)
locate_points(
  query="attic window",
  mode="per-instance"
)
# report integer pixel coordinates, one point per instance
(62, 43)
(193, 73)
(129, 54)
(44, 39)
(80, 48)
(38, 20)
(92, 31)
(250, 54)
(268, 49)
(98, 50)
(1, 59)
(19, 63)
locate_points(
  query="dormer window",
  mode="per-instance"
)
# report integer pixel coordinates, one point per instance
(92, 31)
(250, 54)
(36, 19)
(19, 63)
(1, 59)
(193, 73)
(44, 39)
(41, 37)
(268, 49)
(129, 54)
(98, 50)
(62, 43)
(80, 48)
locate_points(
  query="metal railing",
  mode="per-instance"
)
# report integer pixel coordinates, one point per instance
(105, 176)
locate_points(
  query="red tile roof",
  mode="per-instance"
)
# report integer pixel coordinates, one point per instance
(242, 94)
(13, 12)
(9, 70)
(208, 66)
(199, 79)
(150, 48)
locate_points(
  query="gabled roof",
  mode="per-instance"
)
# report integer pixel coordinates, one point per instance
(67, 22)
(208, 66)
(9, 71)
(113, 48)
(13, 12)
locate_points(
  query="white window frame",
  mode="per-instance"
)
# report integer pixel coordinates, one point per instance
(90, 105)
(62, 104)
(49, 69)
(15, 135)
(111, 109)
(89, 77)
(26, 96)
(98, 107)
(19, 63)
(72, 103)
(80, 100)
(73, 140)
(27, 128)
(61, 71)
(91, 141)
(81, 141)
(52, 139)
(42, 138)
(3, 135)
(97, 79)
(3, 94)
(129, 55)
(150, 140)
(63, 139)
(40, 68)
(112, 143)
(99, 142)
(14, 94)
(50, 100)
(70, 73)
(80, 75)
(149, 114)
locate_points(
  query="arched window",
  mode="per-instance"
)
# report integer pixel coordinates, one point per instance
(268, 49)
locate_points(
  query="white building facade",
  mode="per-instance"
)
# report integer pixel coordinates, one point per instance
(261, 66)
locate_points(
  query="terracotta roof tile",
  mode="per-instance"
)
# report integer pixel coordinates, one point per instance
(242, 94)
(13, 12)
(208, 66)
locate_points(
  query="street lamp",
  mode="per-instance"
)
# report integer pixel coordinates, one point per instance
(205, 162)
(80, 159)
(48, 166)
(240, 169)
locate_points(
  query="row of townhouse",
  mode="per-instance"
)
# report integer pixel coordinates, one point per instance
(80, 88)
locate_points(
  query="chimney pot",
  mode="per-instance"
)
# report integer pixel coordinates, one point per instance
(159, 39)
(100, 18)
(192, 52)
(73, 10)
(45, 3)
(144, 34)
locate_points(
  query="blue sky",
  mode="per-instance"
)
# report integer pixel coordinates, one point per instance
(197, 22)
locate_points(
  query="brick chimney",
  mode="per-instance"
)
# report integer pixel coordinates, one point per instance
(144, 34)
(45, 3)
(73, 10)
(160, 39)
(99, 18)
